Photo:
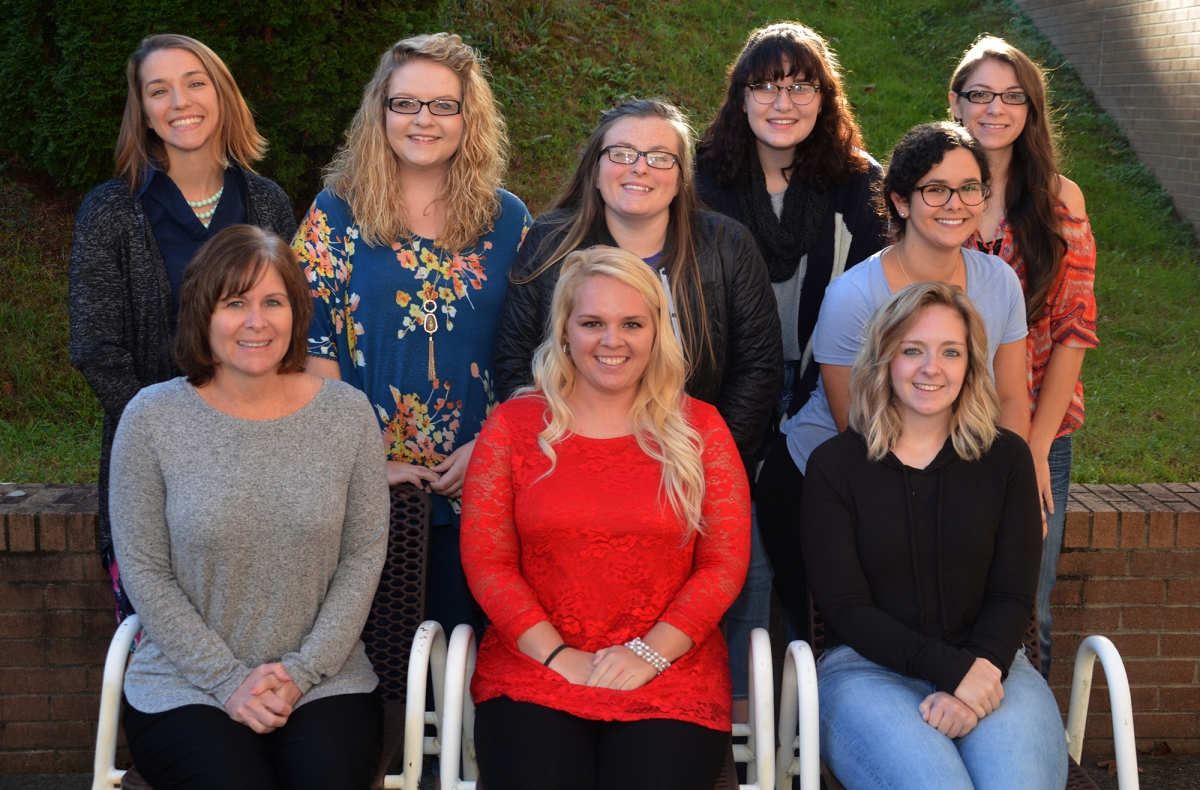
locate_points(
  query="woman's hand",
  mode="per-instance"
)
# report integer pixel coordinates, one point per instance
(421, 476)
(620, 668)
(574, 665)
(256, 704)
(948, 714)
(453, 471)
(981, 688)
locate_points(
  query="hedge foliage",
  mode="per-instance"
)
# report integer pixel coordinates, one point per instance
(301, 64)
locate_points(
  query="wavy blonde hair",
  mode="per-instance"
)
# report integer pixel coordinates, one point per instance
(139, 146)
(873, 411)
(657, 416)
(366, 173)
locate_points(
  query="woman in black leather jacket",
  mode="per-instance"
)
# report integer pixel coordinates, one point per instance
(633, 189)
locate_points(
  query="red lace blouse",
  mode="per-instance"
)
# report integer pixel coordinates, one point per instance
(589, 549)
(1070, 314)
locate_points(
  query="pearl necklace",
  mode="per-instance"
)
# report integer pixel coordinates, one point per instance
(206, 216)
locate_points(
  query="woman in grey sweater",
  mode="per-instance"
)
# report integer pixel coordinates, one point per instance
(184, 158)
(249, 509)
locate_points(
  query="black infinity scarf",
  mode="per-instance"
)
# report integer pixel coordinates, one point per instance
(784, 240)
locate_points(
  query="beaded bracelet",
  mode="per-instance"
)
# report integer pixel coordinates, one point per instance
(649, 654)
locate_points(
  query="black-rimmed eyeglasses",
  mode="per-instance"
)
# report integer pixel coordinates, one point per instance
(624, 155)
(938, 195)
(985, 97)
(406, 106)
(801, 93)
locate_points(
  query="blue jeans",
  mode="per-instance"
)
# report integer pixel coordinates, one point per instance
(1060, 487)
(873, 737)
(751, 609)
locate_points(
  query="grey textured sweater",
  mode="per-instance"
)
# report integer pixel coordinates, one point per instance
(243, 542)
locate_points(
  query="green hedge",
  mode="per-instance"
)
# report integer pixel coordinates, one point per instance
(302, 65)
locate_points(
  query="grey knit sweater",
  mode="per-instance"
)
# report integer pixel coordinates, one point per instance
(243, 542)
(120, 300)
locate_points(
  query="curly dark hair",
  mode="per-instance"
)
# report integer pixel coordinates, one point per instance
(832, 152)
(920, 150)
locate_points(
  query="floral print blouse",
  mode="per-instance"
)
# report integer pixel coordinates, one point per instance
(373, 307)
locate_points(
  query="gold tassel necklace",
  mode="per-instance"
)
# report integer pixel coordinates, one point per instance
(430, 324)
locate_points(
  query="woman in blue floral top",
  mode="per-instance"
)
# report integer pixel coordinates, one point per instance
(408, 251)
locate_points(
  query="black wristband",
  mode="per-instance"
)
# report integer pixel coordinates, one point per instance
(557, 650)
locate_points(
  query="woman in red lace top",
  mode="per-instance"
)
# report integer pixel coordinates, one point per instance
(1036, 220)
(606, 529)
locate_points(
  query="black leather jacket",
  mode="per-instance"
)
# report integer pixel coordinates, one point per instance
(745, 378)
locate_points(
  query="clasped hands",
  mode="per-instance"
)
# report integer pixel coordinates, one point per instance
(978, 694)
(445, 478)
(264, 700)
(615, 667)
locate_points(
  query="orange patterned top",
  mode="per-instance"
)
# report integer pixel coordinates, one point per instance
(1070, 314)
(589, 549)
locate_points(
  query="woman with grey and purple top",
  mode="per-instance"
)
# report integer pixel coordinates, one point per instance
(784, 156)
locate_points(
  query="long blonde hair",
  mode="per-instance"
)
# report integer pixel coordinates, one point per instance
(873, 411)
(139, 146)
(657, 415)
(366, 174)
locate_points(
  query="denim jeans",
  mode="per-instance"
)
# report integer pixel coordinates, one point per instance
(751, 609)
(1060, 486)
(873, 737)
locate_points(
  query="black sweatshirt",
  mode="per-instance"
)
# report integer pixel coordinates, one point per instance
(923, 570)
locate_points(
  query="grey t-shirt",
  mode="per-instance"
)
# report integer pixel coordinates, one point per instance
(852, 299)
(243, 542)
(787, 296)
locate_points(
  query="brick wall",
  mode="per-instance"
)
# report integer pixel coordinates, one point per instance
(1130, 570)
(1142, 61)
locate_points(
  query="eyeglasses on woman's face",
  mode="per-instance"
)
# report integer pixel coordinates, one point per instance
(800, 93)
(938, 195)
(986, 97)
(624, 155)
(406, 106)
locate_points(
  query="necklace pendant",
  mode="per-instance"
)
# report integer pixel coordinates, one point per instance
(432, 366)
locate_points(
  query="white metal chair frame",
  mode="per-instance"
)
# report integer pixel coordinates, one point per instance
(799, 726)
(453, 716)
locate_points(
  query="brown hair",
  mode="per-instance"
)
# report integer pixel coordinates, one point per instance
(1031, 190)
(366, 174)
(582, 200)
(832, 152)
(138, 146)
(229, 264)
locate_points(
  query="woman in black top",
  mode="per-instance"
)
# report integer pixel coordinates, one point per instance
(183, 156)
(633, 189)
(784, 155)
(921, 528)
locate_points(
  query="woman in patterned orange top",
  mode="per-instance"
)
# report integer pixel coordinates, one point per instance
(1035, 220)
(605, 531)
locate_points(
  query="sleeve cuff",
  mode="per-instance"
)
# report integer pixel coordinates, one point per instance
(223, 692)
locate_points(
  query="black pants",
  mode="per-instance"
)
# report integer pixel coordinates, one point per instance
(327, 744)
(777, 504)
(522, 746)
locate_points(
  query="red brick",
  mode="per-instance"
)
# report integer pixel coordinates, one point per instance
(1076, 528)
(1135, 644)
(81, 532)
(95, 679)
(74, 652)
(1187, 534)
(1160, 493)
(52, 531)
(41, 569)
(1161, 618)
(25, 708)
(1099, 725)
(99, 624)
(20, 597)
(1092, 563)
(1067, 592)
(1144, 698)
(1104, 529)
(21, 532)
(23, 653)
(1153, 671)
(1178, 698)
(1160, 564)
(73, 761)
(1160, 725)
(94, 571)
(26, 763)
(1090, 620)
(1181, 645)
(1133, 527)
(48, 735)
(1162, 529)
(43, 681)
(76, 707)
(1183, 591)
(78, 596)
(1124, 591)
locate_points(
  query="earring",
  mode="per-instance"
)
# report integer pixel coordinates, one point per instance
(902, 215)
(566, 347)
